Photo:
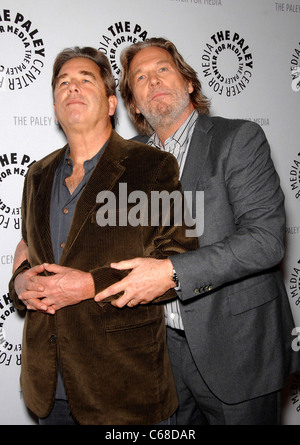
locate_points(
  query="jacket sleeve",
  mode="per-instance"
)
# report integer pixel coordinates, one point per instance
(25, 265)
(257, 203)
(168, 236)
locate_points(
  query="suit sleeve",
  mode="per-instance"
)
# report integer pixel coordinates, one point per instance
(257, 203)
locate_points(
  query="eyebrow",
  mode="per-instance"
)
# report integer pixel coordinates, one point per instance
(159, 62)
(83, 73)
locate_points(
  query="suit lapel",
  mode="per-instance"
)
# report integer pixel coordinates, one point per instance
(197, 154)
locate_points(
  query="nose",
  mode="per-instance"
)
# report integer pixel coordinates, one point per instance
(154, 80)
(73, 86)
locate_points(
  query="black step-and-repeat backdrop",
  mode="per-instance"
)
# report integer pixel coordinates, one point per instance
(247, 54)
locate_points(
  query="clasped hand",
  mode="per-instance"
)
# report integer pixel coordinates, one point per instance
(66, 286)
(149, 278)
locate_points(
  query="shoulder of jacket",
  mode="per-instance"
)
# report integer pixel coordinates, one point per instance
(223, 123)
(135, 148)
(47, 160)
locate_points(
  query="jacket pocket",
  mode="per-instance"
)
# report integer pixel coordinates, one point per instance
(131, 337)
(259, 291)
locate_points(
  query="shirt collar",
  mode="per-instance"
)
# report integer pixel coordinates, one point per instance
(180, 135)
(89, 164)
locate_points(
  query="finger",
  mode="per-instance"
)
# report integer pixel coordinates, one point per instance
(34, 284)
(126, 264)
(119, 302)
(51, 302)
(51, 310)
(55, 268)
(111, 290)
(47, 310)
(36, 269)
(35, 304)
(41, 305)
(30, 295)
(38, 305)
(124, 300)
(132, 303)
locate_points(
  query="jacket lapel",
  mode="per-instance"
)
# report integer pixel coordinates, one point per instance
(197, 154)
(42, 182)
(105, 175)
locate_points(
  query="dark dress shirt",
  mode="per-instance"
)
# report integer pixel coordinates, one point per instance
(62, 208)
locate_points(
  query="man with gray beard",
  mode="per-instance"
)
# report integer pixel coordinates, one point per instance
(229, 331)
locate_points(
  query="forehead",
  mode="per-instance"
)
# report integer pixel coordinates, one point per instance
(150, 55)
(79, 64)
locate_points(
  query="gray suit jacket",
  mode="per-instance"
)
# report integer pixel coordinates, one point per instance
(234, 305)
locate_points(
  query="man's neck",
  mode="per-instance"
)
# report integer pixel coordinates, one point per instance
(84, 146)
(166, 129)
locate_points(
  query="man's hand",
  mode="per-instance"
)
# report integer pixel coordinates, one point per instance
(66, 287)
(148, 279)
(29, 292)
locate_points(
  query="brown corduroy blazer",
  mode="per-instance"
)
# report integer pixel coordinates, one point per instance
(114, 362)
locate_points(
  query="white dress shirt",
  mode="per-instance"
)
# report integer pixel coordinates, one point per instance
(177, 144)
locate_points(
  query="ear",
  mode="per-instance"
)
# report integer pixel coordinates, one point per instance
(137, 110)
(190, 87)
(54, 111)
(112, 105)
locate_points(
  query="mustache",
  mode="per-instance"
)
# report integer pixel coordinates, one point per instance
(158, 91)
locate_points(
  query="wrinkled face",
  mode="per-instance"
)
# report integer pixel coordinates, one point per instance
(161, 93)
(80, 98)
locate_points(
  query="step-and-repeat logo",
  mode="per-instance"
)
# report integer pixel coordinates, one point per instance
(22, 51)
(294, 390)
(13, 168)
(295, 69)
(118, 36)
(294, 281)
(10, 333)
(295, 176)
(294, 284)
(227, 63)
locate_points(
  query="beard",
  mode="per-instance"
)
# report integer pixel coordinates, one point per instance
(160, 114)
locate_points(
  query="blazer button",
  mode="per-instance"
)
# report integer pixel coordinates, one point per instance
(196, 291)
(52, 339)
